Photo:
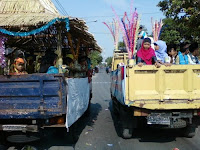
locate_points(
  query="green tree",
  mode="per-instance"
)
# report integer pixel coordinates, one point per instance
(121, 44)
(96, 58)
(109, 61)
(170, 33)
(186, 16)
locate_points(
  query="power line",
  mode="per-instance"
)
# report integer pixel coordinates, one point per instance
(114, 15)
(62, 8)
(101, 33)
(65, 12)
(58, 7)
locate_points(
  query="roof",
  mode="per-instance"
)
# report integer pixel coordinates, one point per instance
(26, 12)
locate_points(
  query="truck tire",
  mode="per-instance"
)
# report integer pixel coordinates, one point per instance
(2, 147)
(126, 121)
(127, 133)
(3, 138)
(190, 131)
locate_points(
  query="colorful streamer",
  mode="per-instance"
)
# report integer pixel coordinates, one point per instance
(114, 30)
(36, 31)
(2, 51)
(129, 28)
(156, 29)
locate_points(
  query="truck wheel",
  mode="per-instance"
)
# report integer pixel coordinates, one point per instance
(127, 133)
(3, 139)
(126, 121)
(2, 147)
(190, 131)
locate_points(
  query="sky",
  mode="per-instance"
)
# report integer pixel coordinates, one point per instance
(94, 12)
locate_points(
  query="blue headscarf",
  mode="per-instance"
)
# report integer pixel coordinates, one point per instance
(162, 52)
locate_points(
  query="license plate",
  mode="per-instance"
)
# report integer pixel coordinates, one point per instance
(159, 120)
(13, 127)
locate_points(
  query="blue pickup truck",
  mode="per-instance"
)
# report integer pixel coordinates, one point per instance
(31, 102)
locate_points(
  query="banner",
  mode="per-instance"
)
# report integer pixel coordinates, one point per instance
(118, 84)
(77, 99)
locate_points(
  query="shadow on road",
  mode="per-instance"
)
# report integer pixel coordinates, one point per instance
(59, 136)
(147, 134)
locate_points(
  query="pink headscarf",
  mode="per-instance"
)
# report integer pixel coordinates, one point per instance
(146, 55)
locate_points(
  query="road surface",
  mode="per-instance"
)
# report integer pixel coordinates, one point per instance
(100, 129)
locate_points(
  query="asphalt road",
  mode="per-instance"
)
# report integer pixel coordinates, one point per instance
(99, 130)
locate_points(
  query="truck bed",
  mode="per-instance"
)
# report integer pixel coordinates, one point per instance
(175, 87)
(32, 96)
(148, 87)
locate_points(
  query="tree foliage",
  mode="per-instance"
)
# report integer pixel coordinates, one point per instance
(170, 33)
(96, 58)
(186, 16)
(121, 45)
(109, 61)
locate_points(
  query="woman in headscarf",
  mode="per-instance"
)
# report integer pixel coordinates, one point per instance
(161, 52)
(146, 55)
(152, 42)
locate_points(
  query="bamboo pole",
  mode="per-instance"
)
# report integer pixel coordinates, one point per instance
(59, 50)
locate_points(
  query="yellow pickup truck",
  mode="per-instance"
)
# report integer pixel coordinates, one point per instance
(165, 97)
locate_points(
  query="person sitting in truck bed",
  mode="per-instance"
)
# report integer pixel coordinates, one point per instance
(172, 52)
(52, 61)
(84, 66)
(18, 67)
(146, 55)
(182, 57)
(193, 55)
(161, 52)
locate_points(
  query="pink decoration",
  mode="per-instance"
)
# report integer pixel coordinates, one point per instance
(156, 28)
(2, 51)
(114, 29)
(129, 28)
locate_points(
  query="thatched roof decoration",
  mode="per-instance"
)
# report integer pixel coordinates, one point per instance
(26, 12)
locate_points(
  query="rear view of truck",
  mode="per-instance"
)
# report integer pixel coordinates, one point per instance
(29, 103)
(166, 97)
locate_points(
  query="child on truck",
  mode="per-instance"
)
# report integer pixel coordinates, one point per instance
(193, 55)
(161, 52)
(52, 61)
(18, 67)
(182, 57)
(146, 55)
(172, 52)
